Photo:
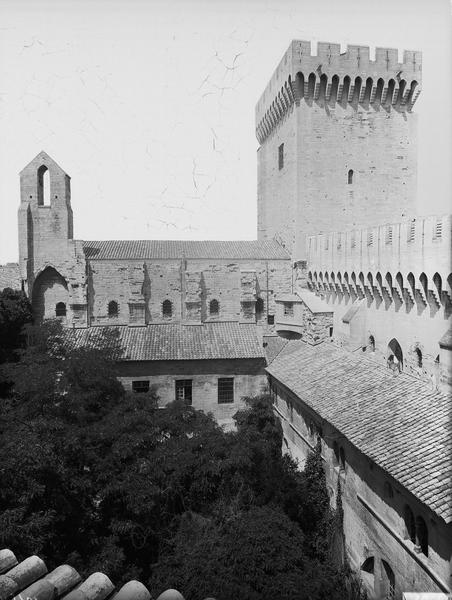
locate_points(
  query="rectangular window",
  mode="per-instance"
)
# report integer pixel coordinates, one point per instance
(225, 390)
(184, 390)
(140, 386)
(271, 319)
(288, 309)
(281, 156)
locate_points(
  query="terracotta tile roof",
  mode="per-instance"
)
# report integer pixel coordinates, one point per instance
(176, 341)
(31, 579)
(396, 420)
(176, 249)
(273, 344)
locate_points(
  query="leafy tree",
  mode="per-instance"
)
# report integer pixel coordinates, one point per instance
(15, 312)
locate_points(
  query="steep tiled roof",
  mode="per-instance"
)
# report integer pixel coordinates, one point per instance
(273, 344)
(176, 341)
(174, 249)
(396, 420)
(10, 276)
(31, 579)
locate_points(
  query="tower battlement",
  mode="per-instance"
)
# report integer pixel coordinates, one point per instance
(331, 77)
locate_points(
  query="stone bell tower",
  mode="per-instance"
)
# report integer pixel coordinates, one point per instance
(51, 263)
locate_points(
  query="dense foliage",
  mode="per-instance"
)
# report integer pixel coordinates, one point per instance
(15, 313)
(107, 481)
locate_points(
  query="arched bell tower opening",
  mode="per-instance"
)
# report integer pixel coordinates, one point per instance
(50, 298)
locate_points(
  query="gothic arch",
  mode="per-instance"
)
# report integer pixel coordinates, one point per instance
(49, 289)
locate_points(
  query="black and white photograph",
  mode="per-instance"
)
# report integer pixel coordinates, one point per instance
(225, 300)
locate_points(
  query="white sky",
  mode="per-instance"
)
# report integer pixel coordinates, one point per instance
(149, 106)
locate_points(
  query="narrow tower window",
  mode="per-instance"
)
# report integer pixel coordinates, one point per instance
(167, 308)
(214, 308)
(113, 309)
(350, 176)
(43, 186)
(281, 156)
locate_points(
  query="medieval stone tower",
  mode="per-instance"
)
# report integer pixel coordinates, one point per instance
(51, 263)
(337, 142)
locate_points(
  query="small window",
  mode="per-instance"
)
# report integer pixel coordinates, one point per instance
(389, 234)
(288, 309)
(113, 309)
(350, 177)
(259, 308)
(281, 156)
(331, 329)
(422, 535)
(418, 356)
(225, 390)
(342, 459)
(410, 525)
(167, 308)
(140, 386)
(60, 309)
(371, 343)
(214, 308)
(184, 390)
(271, 319)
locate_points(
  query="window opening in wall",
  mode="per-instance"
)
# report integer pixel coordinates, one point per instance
(225, 390)
(418, 355)
(214, 308)
(350, 177)
(367, 572)
(371, 343)
(288, 309)
(60, 309)
(389, 581)
(281, 157)
(271, 319)
(43, 186)
(395, 355)
(410, 525)
(167, 308)
(259, 308)
(342, 459)
(184, 390)
(140, 386)
(113, 309)
(330, 330)
(389, 234)
(422, 535)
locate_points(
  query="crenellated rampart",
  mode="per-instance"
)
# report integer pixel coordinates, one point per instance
(330, 77)
(411, 260)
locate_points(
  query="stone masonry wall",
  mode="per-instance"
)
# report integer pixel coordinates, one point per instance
(373, 519)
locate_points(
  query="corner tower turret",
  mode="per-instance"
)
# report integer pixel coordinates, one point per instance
(337, 138)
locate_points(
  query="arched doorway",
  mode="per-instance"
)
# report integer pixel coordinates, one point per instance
(50, 296)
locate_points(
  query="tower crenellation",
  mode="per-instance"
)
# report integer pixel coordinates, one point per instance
(329, 76)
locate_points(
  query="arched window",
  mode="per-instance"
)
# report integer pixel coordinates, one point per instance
(371, 343)
(410, 525)
(60, 309)
(418, 356)
(367, 573)
(388, 491)
(422, 535)
(113, 309)
(43, 186)
(350, 177)
(342, 459)
(259, 308)
(395, 355)
(389, 582)
(167, 308)
(214, 308)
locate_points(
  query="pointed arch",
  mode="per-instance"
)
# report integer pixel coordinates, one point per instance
(49, 290)
(43, 186)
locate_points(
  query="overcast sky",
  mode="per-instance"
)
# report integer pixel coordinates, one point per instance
(149, 106)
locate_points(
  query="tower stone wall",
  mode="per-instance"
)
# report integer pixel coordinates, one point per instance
(337, 142)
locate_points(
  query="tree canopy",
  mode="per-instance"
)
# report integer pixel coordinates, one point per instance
(106, 480)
